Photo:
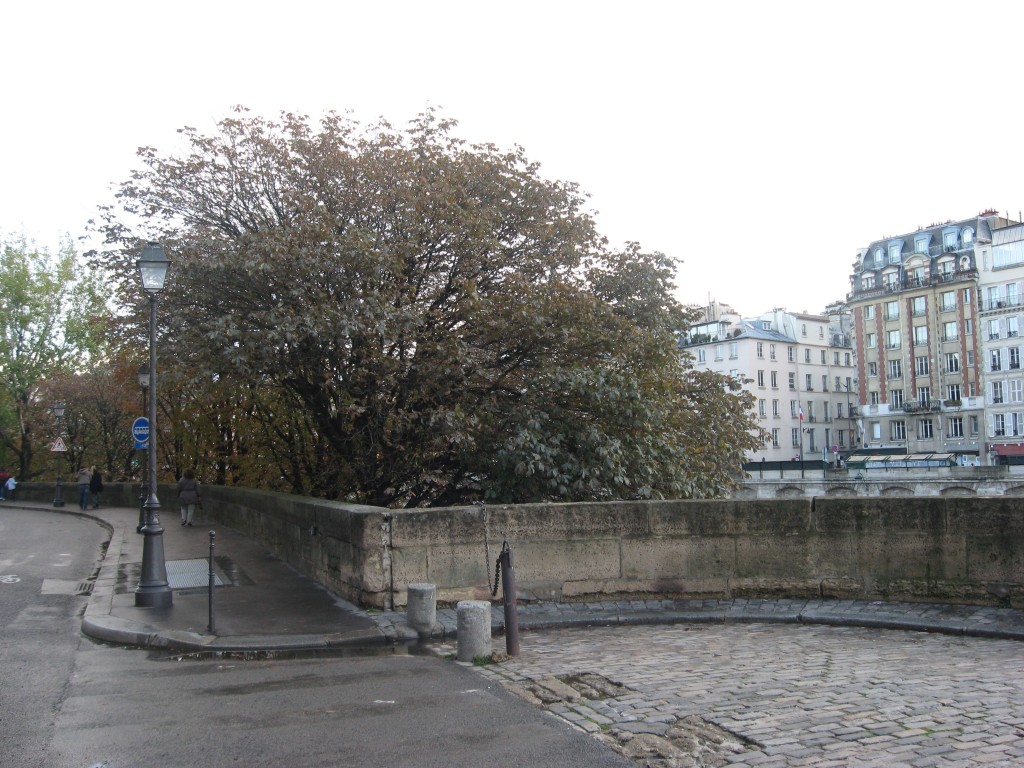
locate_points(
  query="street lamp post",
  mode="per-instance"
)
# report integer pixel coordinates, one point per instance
(58, 494)
(144, 464)
(153, 590)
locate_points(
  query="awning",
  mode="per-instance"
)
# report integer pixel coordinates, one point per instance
(1009, 449)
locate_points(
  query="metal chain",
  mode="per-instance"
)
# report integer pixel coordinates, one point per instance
(487, 549)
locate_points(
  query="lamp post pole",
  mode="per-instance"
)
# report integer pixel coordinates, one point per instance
(153, 590)
(58, 494)
(144, 464)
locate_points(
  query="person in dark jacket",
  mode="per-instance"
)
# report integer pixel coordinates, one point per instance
(95, 487)
(188, 496)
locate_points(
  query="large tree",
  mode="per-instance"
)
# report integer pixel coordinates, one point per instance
(422, 320)
(52, 320)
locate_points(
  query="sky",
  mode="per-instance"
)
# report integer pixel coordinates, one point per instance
(759, 143)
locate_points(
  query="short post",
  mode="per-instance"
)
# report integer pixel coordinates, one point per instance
(474, 628)
(213, 576)
(508, 588)
(421, 608)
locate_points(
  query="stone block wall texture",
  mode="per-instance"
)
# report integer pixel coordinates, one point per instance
(942, 549)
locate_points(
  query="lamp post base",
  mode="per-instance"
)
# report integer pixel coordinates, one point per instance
(153, 591)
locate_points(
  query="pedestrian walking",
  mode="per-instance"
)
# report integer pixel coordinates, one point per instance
(3, 484)
(9, 487)
(84, 476)
(95, 487)
(188, 496)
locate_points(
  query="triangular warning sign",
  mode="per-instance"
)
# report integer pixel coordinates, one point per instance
(58, 445)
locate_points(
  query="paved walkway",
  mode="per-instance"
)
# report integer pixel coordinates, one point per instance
(724, 681)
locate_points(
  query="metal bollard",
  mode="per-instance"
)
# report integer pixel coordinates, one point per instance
(213, 577)
(508, 588)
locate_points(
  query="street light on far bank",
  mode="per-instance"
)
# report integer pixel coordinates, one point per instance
(58, 494)
(153, 590)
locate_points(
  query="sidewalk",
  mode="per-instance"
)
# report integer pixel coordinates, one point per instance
(264, 605)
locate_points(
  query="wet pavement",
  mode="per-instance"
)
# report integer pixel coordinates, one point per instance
(699, 682)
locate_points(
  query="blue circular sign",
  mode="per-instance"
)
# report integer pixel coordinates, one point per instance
(140, 431)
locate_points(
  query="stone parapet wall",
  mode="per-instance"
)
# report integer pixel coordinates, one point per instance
(943, 549)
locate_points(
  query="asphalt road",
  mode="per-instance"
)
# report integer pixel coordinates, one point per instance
(43, 556)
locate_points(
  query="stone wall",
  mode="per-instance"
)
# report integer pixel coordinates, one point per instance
(945, 549)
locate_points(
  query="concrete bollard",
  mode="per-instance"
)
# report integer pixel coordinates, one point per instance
(421, 609)
(474, 628)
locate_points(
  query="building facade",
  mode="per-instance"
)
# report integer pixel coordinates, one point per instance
(918, 325)
(1000, 282)
(798, 366)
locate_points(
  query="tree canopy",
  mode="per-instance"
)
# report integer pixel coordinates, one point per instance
(397, 317)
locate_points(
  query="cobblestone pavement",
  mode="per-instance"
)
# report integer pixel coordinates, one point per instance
(772, 695)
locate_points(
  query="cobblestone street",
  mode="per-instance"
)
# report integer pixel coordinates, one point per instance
(780, 695)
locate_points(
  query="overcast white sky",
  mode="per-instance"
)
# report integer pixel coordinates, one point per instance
(761, 143)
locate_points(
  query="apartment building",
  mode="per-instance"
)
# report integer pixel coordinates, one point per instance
(917, 321)
(798, 366)
(1000, 282)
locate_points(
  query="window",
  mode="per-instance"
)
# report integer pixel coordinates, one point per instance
(892, 339)
(791, 352)
(920, 245)
(841, 438)
(824, 382)
(892, 310)
(761, 410)
(894, 253)
(898, 430)
(807, 355)
(808, 384)
(775, 408)
(872, 369)
(995, 360)
(968, 326)
(876, 430)
(967, 297)
(973, 422)
(766, 325)
(867, 282)
(949, 241)
(967, 235)
(873, 398)
(701, 356)
(869, 312)
(993, 298)
(1015, 390)
(810, 441)
(846, 358)
(760, 349)
(792, 381)
(948, 301)
(952, 362)
(775, 437)
(924, 396)
(839, 384)
(839, 411)
(871, 340)
(918, 305)
(997, 392)
(734, 350)
(924, 429)
(955, 426)
(1012, 328)
(895, 398)
(895, 369)
(921, 365)
(719, 349)
(920, 335)
(794, 408)
(824, 357)
(953, 392)
(993, 328)
(970, 358)
(950, 332)
(775, 379)
(835, 358)
(998, 425)
(796, 437)
(760, 378)
(771, 351)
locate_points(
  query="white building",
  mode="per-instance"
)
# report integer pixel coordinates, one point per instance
(798, 366)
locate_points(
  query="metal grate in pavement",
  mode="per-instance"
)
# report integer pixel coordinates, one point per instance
(187, 574)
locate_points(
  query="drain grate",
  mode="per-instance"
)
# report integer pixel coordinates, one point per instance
(65, 587)
(188, 574)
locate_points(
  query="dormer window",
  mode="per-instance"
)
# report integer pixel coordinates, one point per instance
(766, 325)
(949, 241)
(921, 245)
(967, 235)
(879, 256)
(895, 253)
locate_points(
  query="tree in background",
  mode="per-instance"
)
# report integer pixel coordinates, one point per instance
(400, 318)
(52, 319)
